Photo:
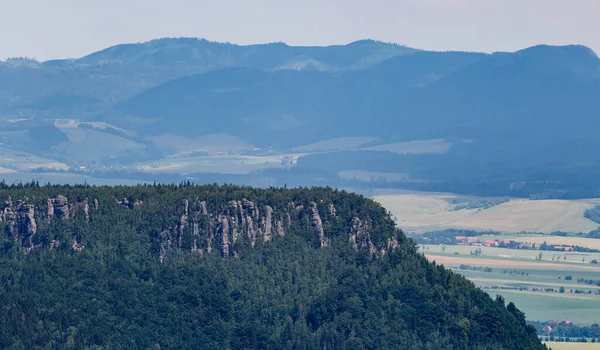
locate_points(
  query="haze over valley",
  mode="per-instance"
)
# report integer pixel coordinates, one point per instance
(488, 161)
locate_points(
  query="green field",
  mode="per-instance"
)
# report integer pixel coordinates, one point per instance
(515, 274)
(572, 257)
(544, 308)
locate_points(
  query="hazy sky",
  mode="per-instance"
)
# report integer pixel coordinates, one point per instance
(72, 28)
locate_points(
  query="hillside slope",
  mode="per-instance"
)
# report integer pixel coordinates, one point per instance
(229, 268)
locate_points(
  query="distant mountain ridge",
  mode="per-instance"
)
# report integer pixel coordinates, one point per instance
(501, 115)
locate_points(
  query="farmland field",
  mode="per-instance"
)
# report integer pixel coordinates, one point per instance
(491, 252)
(538, 287)
(555, 240)
(572, 346)
(421, 212)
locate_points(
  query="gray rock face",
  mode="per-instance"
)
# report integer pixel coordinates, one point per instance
(280, 230)
(61, 207)
(317, 224)
(241, 220)
(360, 237)
(9, 218)
(19, 222)
(268, 226)
(76, 246)
(50, 212)
(203, 209)
(183, 220)
(196, 247)
(26, 225)
(165, 245)
(124, 203)
(224, 228)
(83, 206)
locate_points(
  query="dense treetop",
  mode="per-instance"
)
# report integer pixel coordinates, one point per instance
(366, 288)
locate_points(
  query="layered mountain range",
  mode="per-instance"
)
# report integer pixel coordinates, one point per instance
(520, 123)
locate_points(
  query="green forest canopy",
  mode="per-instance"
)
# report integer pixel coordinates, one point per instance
(94, 278)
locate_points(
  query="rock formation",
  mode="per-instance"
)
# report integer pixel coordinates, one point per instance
(124, 203)
(360, 237)
(332, 210)
(83, 206)
(241, 221)
(317, 223)
(267, 234)
(60, 207)
(26, 225)
(223, 220)
(9, 217)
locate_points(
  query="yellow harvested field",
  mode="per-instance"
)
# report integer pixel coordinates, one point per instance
(422, 211)
(458, 260)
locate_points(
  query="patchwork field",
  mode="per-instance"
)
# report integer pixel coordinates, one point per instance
(421, 211)
(16, 160)
(543, 289)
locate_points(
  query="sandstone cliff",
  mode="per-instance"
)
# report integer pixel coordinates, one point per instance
(199, 225)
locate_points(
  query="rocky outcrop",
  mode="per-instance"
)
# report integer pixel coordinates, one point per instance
(19, 222)
(280, 230)
(224, 229)
(82, 206)
(60, 207)
(360, 237)
(123, 203)
(317, 224)
(165, 244)
(183, 220)
(241, 220)
(54, 244)
(50, 211)
(268, 226)
(203, 209)
(9, 218)
(26, 225)
(199, 226)
(76, 246)
(196, 247)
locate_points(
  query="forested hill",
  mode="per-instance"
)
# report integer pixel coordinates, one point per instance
(188, 267)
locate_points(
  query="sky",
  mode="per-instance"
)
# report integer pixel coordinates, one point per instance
(46, 29)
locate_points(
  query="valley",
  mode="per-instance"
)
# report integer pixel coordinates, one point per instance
(559, 284)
